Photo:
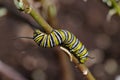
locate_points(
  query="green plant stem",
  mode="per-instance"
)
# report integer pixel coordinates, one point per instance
(83, 68)
(41, 21)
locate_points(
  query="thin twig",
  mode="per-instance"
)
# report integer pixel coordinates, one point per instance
(48, 29)
(41, 21)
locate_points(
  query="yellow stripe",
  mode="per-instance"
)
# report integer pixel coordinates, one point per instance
(43, 41)
(69, 36)
(73, 42)
(38, 39)
(48, 42)
(77, 48)
(55, 39)
(62, 35)
(83, 53)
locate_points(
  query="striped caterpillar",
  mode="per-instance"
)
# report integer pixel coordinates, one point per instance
(63, 38)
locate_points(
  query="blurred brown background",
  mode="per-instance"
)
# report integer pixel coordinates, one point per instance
(22, 59)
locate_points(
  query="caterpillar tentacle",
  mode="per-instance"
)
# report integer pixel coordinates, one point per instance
(63, 38)
(23, 37)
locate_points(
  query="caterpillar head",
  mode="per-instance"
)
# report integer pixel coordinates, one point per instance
(37, 36)
(83, 59)
(36, 33)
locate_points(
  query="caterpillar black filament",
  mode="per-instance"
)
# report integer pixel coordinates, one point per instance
(63, 38)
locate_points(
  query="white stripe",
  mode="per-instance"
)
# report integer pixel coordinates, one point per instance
(72, 38)
(66, 35)
(75, 43)
(81, 49)
(42, 34)
(51, 40)
(85, 55)
(44, 45)
(58, 37)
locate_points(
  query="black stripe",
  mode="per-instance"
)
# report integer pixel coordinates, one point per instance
(82, 49)
(46, 41)
(72, 38)
(60, 40)
(40, 40)
(51, 37)
(35, 36)
(50, 41)
(84, 54)
(76, 43)
(54, 33)
(66, 34)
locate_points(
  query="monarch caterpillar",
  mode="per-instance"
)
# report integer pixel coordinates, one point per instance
(63, 38)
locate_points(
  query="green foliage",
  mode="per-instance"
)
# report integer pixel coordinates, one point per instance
(114, 6)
